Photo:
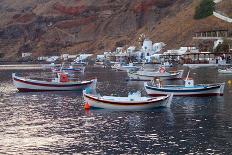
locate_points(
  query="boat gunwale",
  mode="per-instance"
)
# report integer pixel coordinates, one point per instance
(50, 84)
(207, 87)
(153, 100)
(170, 74)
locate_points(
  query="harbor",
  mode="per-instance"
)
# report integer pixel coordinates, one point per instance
(131, 101)
(126, 99)
(51, 122)
(146, 77)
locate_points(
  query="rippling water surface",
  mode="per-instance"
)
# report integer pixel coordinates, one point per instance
(55, 122)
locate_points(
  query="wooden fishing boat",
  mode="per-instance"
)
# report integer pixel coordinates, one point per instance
(145, 75)
(194, 66)
(225, 71)
(60, 83)
(189, 89)
(74, 69)
(132, 102)
(71, 68)
(129, 67)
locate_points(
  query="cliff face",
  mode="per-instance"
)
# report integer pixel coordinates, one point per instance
(225, 6)
(48, 27)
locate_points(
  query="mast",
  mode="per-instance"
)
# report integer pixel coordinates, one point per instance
(187, 75)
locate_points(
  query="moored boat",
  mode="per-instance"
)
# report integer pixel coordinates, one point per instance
(60, 83)
(129, 67)
(132, 102)
(150, 75)
(200, 65)
(71, 68)
(189, 89)
(225, 71)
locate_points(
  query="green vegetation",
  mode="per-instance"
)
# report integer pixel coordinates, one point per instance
(204, 9)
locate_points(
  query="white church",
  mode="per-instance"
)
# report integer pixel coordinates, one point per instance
(149, 49)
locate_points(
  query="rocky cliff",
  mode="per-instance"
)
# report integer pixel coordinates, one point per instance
(49, 27)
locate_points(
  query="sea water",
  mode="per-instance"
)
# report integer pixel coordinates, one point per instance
(56, 122)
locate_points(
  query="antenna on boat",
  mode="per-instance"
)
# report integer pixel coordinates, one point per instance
(187, 75)
(61, 68)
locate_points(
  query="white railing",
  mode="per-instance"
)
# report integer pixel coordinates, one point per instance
(222, 17)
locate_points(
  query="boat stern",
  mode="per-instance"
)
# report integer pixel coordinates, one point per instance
(13, 78)
(169, 101)
(13, 75)
(222, 89)
(145, 85)
(94, 83)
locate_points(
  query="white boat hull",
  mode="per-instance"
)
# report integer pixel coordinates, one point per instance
(98, 102)
(127, 68)
(200, 65)
(225, 71)
(149, 77)
(79, 69)
(28, 85)
(209, 90)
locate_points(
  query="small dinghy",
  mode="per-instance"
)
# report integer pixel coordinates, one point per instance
(75, 67)
(225, 71)
(60, 83)
(129, 67)
(150, 75)
(132, 102)
(69, 69)
(189, 89)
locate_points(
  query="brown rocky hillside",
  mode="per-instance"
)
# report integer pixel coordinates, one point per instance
(50, 27)
(225, 7)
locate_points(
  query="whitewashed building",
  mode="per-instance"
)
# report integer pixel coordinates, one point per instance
(42, 58)
(72, 56)
(119, 50)
(182, 50)
(82, 57)
(68, 56)
(52, 58)
(147, 45)
(101, 57)
(149, 49)
(158, 47)
(131, 49)
(64, 56)
(26, 54)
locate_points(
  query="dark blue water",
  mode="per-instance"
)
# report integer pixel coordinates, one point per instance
(55, 122)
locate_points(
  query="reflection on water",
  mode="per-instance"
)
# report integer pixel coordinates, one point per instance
(55, 122)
